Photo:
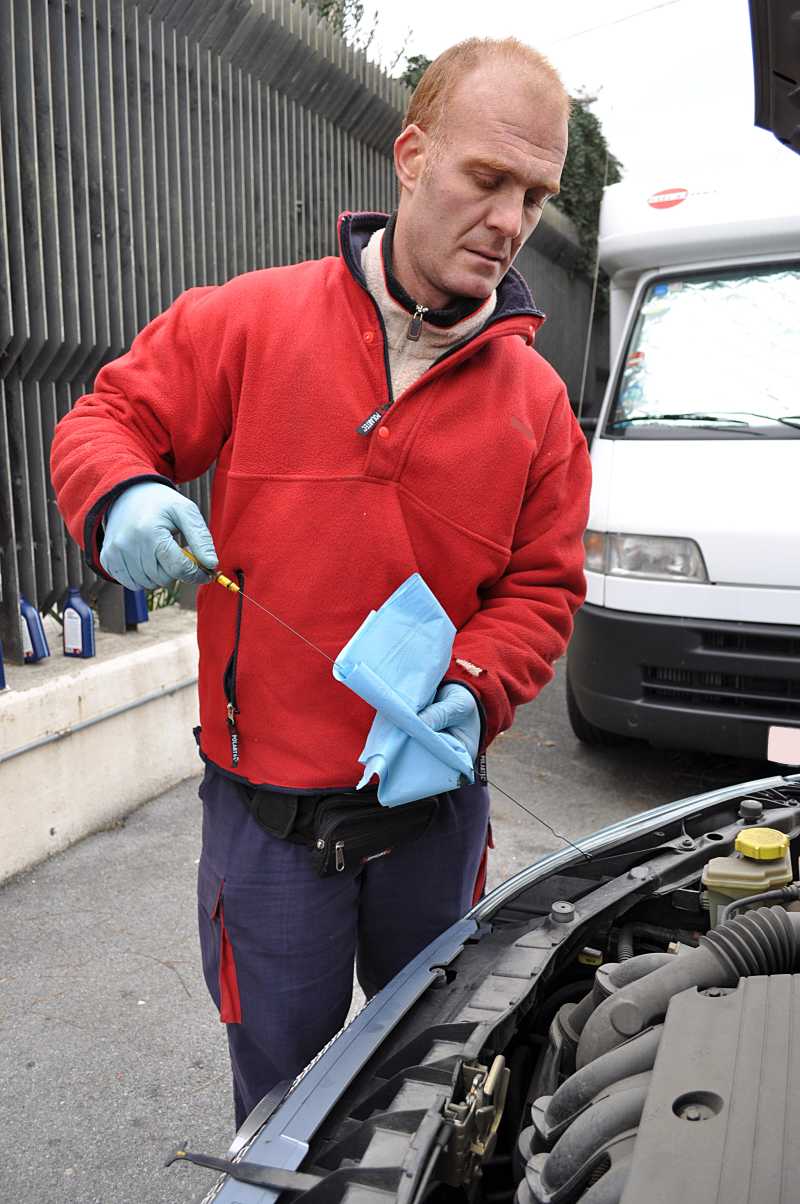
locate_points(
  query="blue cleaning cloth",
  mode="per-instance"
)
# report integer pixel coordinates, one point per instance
(395, 662)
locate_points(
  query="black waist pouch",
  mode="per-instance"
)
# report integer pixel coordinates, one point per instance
(342, 831)
(347, 833)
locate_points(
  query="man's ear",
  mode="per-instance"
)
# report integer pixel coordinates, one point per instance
(410, 150)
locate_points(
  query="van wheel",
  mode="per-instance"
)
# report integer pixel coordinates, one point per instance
(586, 732)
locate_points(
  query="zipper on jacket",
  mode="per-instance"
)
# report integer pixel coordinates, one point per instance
(229, 677)
(374, 418)
(415, 325)
(372, 421)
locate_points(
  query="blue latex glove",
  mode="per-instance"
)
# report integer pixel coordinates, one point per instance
(138, 549)
(454, 710)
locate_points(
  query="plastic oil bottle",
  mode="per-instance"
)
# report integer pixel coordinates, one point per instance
(135, 607)
(34, 641)
(78, 625)
(761, 862)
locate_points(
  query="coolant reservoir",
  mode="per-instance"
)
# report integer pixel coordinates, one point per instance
(761, 862)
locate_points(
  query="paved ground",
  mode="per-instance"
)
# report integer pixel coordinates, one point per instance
(110, 1050)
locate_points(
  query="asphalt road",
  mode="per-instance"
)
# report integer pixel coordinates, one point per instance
(111, 1053)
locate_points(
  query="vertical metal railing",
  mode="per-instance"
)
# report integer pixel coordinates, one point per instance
(149, 146)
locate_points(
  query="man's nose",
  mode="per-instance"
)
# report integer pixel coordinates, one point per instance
(506, 215)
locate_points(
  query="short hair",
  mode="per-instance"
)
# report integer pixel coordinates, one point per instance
(431, 95)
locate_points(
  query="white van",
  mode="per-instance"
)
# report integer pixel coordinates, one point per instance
(690, 636)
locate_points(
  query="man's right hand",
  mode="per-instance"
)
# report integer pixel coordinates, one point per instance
(138, 547)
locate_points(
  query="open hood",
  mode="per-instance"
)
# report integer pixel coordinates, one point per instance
(513, 1058)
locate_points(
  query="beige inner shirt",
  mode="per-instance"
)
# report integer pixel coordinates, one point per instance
(408, 359)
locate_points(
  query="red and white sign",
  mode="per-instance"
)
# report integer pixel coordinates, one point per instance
(667, 198)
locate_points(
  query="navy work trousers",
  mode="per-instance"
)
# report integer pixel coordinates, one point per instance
(279, 943)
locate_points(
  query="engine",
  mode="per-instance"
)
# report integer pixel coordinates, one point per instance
(620, 1026)
(684, 1070)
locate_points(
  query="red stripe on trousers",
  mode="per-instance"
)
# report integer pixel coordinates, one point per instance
(230, 1005)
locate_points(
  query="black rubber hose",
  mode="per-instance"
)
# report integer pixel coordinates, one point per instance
(766, 941)
(619, 1111)
(785, 893)
(633, 1057)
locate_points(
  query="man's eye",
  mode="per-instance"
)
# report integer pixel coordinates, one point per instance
(535, 200)
(486, 182)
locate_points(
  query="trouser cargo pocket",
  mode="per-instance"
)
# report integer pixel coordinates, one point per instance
(219, 961)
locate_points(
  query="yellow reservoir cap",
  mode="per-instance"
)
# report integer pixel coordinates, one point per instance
(762, 844)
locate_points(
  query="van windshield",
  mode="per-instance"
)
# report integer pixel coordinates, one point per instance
(713, 356)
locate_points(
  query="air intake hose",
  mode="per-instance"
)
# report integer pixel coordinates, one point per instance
(617, 975)
(764, 941)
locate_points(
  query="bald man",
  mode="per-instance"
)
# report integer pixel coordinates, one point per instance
(371, 415)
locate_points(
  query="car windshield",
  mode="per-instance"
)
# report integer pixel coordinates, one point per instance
(715, 355)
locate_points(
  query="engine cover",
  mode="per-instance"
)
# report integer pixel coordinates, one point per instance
(700, 1111)
(723, 1105)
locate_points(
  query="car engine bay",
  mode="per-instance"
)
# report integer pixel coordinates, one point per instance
(597, 1041)
(619, 1023)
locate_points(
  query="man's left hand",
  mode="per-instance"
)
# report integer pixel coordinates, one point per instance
(454, 710)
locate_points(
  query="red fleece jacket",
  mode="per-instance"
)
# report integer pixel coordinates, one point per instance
(477, 477)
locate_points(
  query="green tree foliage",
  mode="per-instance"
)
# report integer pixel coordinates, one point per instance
(416, 66)
(589, 166)
(346, 17)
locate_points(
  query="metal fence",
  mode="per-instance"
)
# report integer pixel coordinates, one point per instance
(149, 146)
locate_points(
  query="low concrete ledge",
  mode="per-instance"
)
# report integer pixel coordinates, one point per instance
(82, 743)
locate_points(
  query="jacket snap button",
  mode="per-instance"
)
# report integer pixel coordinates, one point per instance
(368, 336)
(383, 432)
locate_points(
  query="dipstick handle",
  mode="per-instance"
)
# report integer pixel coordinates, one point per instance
(220, 578)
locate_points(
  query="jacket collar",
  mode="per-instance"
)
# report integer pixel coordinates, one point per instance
(514, 298)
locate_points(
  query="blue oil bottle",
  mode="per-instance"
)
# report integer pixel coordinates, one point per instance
(78, 625)
(2, 670)
(135, 607)
(34, 641)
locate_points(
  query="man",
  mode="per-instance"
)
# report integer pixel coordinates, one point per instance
(371, 415)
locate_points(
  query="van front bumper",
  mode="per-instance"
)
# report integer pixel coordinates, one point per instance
(685, 683)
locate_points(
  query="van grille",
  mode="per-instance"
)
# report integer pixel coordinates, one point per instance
(775, 697)
(751, 642)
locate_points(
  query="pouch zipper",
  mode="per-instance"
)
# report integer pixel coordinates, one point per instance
(231, 709)
(338, 849)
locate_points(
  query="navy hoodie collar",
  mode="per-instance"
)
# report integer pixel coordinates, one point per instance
(355, 231)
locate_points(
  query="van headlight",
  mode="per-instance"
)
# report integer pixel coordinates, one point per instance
(664, 557)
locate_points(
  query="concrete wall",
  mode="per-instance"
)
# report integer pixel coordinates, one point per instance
(84, 742)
